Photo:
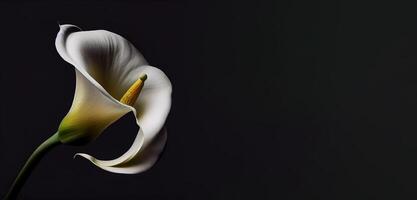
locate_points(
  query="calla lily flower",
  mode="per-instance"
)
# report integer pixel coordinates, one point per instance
(110, 82)
(112, 79)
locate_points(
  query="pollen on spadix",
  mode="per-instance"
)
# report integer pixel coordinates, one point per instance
(132, 94)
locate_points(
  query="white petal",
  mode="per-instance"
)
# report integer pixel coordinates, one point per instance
(112, 64)
(105, 58)
(141, 161)
(152, 108)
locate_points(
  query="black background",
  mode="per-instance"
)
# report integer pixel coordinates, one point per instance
(272, 100)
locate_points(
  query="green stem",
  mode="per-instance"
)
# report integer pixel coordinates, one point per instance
(30, 165)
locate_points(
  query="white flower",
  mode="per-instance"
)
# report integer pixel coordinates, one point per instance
(106, 66)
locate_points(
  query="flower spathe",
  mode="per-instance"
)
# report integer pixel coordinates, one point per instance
(106, 65)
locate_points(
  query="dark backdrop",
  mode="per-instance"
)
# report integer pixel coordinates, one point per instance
(272, 100)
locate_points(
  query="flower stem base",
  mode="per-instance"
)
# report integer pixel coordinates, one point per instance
(30, 165)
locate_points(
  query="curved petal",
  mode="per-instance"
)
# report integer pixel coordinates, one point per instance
(140, 162)
(103, 57)
(151, 111)
(111, 64)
